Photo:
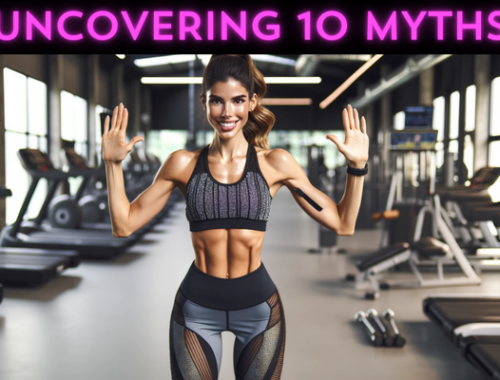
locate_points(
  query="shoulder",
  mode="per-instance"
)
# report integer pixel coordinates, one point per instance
(179, 162)
(279, 159)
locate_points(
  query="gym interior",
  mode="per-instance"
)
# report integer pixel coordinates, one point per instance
(413, 293)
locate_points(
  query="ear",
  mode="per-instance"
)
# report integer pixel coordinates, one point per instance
(203, 103)
(253, 102)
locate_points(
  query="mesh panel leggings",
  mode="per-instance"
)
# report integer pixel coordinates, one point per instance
(195, 330)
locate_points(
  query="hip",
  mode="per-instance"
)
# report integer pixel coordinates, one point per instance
(227, 294)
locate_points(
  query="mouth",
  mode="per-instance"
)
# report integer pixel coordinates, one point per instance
(227, 126)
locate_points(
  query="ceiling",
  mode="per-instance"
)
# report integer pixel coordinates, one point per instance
(333, 71)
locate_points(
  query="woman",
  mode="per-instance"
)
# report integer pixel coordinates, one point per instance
(229, 186)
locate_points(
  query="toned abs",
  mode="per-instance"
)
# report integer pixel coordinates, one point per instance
(228, 253)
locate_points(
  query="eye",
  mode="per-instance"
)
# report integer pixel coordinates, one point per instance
(214, 101)
(240, 101)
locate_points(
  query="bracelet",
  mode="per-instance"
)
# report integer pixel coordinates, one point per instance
(358, 172)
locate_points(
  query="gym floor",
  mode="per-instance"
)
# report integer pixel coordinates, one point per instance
(109, 320)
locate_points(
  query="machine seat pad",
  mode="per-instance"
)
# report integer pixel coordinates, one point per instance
(466, 343)
(430, 247)
(382, 255)
(452, 313)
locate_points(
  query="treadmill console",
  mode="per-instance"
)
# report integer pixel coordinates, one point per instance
(35, 160)
(485, 177)
(75, 161)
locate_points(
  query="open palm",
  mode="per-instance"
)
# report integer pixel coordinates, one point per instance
(114, 138)
(356, 144)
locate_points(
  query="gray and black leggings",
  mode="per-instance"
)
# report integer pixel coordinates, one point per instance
(248, 306)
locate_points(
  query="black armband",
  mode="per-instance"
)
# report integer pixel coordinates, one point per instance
(309, 200)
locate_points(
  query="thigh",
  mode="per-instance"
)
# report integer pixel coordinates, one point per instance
(260, 340)
(195, 340)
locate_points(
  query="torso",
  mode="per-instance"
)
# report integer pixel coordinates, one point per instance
(229, 253)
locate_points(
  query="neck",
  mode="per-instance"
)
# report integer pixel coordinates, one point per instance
(227, 149)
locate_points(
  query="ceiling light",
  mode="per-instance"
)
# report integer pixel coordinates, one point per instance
(164, 60)
(121, 56)
(205, 58)
(198, 80)
(171, 80)
(273, 59)
(292, 80)
(325, 103)
(286, 101)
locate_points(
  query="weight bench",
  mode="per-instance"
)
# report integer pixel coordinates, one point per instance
(427, 248)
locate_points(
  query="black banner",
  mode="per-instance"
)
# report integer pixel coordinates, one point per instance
(309, 27)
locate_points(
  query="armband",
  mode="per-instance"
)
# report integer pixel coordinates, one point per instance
(300, 193)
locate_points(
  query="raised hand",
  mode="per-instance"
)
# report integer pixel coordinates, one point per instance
(114, 139)
(356, 144)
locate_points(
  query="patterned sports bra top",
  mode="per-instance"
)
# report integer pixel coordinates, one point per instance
(244, 204)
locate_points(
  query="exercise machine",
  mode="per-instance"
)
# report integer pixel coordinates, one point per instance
(422, 250)
(32, 267)
(34, 234)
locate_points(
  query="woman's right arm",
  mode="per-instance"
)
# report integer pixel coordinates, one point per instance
(127, 217)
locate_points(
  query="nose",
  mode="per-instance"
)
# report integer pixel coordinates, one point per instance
(227, 111)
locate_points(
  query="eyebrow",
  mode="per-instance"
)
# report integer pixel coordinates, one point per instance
(234, 97)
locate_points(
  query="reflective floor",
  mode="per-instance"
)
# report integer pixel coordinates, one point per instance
(109, 320)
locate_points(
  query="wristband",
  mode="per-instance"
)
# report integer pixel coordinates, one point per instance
(358, 172)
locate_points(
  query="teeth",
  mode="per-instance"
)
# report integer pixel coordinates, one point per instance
(226, 124)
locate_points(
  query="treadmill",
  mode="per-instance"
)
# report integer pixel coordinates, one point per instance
(77, 165)
(32, 234)
(32, 267)
(472, 323)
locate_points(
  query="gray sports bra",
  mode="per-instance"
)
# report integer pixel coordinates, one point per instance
(244, 204)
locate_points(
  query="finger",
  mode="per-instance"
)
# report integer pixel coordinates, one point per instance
(363, 124)
(356, 119)
(336, 141)
(120, 117)
(124, 120)
(113, 119)
(106, 125)
(345, 120)
(133, 141)
(351, 117)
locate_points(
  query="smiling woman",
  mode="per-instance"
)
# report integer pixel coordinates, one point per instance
(229, 186)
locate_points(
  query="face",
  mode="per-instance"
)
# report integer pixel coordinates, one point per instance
(227, 105)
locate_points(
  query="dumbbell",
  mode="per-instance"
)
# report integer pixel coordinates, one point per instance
(375, 336)
(389, 337)
(400, 340)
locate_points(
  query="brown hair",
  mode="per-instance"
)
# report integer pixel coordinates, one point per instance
(240, 67)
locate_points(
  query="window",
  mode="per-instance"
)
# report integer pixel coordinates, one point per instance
(494, 144)
(74, 127)
(399, 120)
(495, 111)
(438, 124)
(25, 127)
(99, 130)
(470, 126)
(162, 143)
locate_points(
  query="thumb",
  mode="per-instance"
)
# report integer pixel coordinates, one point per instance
(337, 142)
(133, 141)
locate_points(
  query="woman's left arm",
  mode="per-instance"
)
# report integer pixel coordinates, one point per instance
(340, 217)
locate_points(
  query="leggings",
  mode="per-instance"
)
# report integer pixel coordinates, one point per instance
(249, 306)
